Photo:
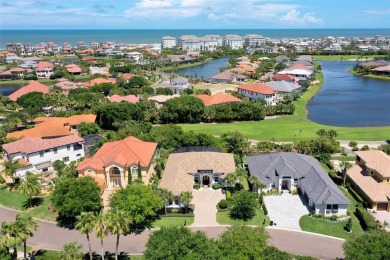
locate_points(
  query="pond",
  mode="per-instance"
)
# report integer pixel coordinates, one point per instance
(348, 100)
(206, 70)
(7, 90)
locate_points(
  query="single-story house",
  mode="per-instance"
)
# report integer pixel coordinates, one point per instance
(289, 171)
(284, 87)
(32, 86)
(219, 98)
(370, 177)
(111, 165)
(228, 77)
(184, 169)
(37, 155)
(129, 98)
(159, 100)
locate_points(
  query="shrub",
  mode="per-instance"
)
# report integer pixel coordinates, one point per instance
(348, 226)
(352, 144)
(265, 211)
(355, 149)
(223, 204)
(274, 191)
(295, 191)
(228, 195)
(365, 148)
(355, 195)
(216, 186)
(367, 222)
(2, 181)
(196, 186)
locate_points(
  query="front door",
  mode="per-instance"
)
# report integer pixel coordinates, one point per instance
(116, 182)
(206, 180)
(285, 184)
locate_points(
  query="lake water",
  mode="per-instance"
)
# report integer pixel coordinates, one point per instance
(349, 100)
(7, 90)
(206, 70)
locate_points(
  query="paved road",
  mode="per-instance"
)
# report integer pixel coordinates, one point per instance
(51, 236)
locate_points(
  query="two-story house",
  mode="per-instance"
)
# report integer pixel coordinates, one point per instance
(370, 177)
(115, 161)
(44, 69)
(36, 154)
(254, 91)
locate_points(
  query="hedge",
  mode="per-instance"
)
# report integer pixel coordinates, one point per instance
(168, 215)
(2, 181)
(367, 222)
(355, 195)
(228, 195)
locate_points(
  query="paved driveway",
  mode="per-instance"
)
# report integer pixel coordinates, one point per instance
(206, 200)
(382, 216)
(285, 210)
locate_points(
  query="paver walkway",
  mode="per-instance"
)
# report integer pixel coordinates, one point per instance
(206, 200)
(285, 210)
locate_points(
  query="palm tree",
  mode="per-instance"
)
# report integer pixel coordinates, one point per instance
(117, 223)
(166, 195)
(231, 179)
(85, 224)
(256, 183)
(241, 173)
(101, 229)
(26, 225)
(12, 236)
(345, 166)
(185, 197)
(72, 251)
(11, 166)
(31, 186)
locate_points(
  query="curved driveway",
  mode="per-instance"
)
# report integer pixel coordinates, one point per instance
(50, 236)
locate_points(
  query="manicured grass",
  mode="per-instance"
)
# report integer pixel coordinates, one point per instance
(344, 57)
(19, 201)
(25, 82)
(224, 219)
(44, 254)
(244, 182)
(333, 229)
(174, 221)
(287, 128)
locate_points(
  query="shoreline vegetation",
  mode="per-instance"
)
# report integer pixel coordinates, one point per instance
(290, 128)
(371, 76)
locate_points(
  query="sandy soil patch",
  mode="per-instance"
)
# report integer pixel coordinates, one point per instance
(215, 88)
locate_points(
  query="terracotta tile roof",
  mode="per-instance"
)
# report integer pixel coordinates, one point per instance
(33, 86)
(126, 152)
(24, 162)
(98, 81)
(299, 67)
(383, 69)
(73, 68)
(36, 144)
(176, 177)
(258, 88)
(218, 99)
(44, 65)
(376, 191)
(129, 98)
(17, 70)
(285, 77)
(128, 76)
(378, 160)
(52, 126)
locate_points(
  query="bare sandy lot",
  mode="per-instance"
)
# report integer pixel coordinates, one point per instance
(215, 88)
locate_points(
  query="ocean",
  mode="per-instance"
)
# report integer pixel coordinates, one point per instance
(154, 36)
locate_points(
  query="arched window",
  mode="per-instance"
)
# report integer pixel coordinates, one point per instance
(115, 170)
(134, 170)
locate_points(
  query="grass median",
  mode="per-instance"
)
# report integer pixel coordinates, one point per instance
(260, 219)
(291, 127)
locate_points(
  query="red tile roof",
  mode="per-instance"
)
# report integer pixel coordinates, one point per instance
(126, 152)
(52, 126)
(258, 88)
(218, 99)
(129, 98)
(299, 67)
(98, 81)
(36, 144)
(73, 68)
(128, 76)
(43, 65)
(285, 77)
(33, 86)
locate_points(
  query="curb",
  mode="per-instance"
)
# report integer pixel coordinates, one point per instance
(305, 232)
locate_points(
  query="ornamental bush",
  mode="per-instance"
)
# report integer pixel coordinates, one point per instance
(223, 204)
(216, 186)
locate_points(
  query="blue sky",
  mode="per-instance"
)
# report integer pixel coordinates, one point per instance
(193, 14)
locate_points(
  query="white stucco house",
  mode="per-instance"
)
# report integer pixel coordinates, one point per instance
(36, 154)
(289, 171)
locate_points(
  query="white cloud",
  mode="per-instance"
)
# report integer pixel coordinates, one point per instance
(213, 17)
(154, 3)
(293, 17)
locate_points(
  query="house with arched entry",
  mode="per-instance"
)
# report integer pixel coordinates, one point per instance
(188, 167)
(115, 161)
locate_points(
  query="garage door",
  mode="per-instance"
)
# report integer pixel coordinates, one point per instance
(381, 206)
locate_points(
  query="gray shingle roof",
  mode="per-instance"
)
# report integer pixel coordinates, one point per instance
(314, 180)
(283, 86)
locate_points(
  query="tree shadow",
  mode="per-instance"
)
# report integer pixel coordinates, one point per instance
(35, 202)
(108, 256)
(66, 222)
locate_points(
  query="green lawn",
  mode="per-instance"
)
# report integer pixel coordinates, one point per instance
(372, 76)
(44, 254)
(174, 221)
(224, 219)
(287, 128)
(25, 82)
(333, 229)
(19, 201)
(344, 57)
